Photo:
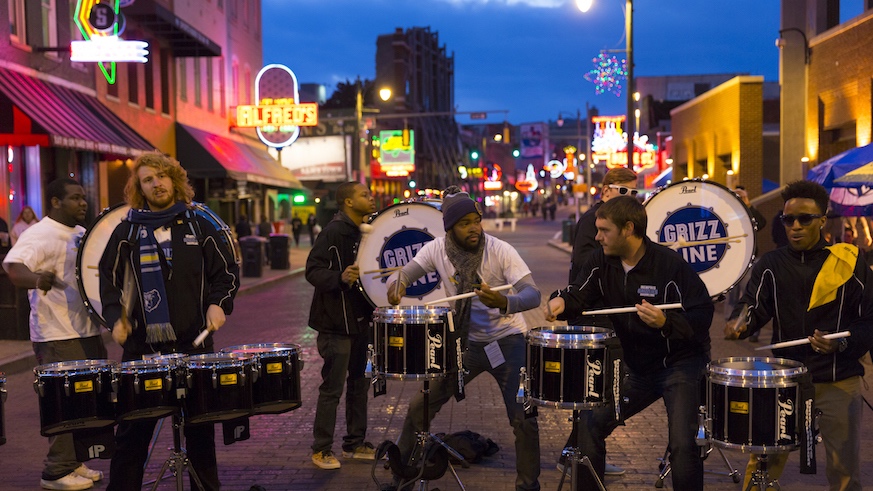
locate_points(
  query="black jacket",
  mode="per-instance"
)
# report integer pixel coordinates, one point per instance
(337, 307)
(780, 287)
(203, 273)
(583, 240)
(660, 277)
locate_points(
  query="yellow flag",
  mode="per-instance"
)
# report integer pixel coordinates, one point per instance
(834, 273)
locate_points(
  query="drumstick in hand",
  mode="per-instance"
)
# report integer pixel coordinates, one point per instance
(467, 295)
(798, 342)
(201, 337)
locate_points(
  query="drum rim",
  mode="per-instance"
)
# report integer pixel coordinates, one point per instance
(410, 314)
(248, 349)
(151, 363)
(540, 336)
(753, 237)
(90, 365)
(792, 368)
(217, 360)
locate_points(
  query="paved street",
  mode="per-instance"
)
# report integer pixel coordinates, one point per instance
(277, 455)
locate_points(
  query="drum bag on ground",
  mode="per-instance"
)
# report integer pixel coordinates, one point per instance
(435, 463)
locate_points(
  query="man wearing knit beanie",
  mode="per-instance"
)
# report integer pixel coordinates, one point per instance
(489, 328)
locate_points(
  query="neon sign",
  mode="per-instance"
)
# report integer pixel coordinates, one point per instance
(278, 115)
(609, 145)
(109, 48)
(100, 25)
(396, 156)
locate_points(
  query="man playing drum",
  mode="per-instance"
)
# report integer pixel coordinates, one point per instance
(341, 315)
(489, 323)
(810, 289)
(43, 260)
(187, 280)
(665, 351)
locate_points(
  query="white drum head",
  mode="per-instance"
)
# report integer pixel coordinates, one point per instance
(399, 231)
(714, 221)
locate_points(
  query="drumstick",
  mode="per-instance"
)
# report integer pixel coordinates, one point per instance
(201, 337)
(628, 310)
(382, 270)
(682, 243)
(467, 295)
(798, 342)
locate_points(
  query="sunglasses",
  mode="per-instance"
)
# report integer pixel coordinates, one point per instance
(624, 190)
(804, 218)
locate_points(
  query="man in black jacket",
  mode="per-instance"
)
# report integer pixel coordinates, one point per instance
(342, 316)
(810, 289)
(666, 351)
(187, 280)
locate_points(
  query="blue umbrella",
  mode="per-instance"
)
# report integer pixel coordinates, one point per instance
(840, 165)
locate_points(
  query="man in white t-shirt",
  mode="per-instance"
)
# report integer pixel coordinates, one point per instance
(44, 261)
(489, 325)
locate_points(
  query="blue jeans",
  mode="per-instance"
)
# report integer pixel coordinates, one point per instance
(345, 359)
(525, 429)
(679, 386)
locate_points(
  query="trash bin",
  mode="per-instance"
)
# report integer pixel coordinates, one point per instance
(279, 245)
(252, 255)
(567, 231)
(14, 309)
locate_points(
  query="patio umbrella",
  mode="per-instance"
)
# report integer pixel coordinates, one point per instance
(860, 176)
(839, 165)
(852, 202)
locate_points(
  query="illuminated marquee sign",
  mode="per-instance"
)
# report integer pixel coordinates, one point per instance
(609, 145)
(278, 115)
(100, 24)
(396, 158)
(493, 179)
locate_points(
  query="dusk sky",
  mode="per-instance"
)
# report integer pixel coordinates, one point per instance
(527, 56)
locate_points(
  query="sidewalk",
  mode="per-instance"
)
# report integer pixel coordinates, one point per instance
(17, 356)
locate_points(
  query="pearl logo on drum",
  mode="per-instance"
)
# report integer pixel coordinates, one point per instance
(786, 409)
(435, 342)
(595, 369)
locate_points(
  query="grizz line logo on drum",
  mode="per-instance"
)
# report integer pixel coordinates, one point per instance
(399, 249)
(696, 224)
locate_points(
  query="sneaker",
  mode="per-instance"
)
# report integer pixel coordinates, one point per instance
(88, 473)
(365, 451)
(613, 470)
(70, 482)
(325, 460)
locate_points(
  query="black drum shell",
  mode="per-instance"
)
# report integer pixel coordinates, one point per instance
(88, 405)
(156, 396)
(228, 398)
(276, 388)
(2, 413)
(411, 342)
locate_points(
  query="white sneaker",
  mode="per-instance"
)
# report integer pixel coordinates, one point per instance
(89, 473)
(70, 482)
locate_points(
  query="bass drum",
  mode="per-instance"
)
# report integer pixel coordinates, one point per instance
(709, 225)
(399, 231)
(94, 243)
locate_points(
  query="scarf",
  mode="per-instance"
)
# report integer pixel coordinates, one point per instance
(153, 294)
(834, 273)
(466, 265)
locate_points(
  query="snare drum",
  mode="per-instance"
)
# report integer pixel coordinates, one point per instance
(276, 388)
(714, 221)
(219, 387)
(2, 402)
(74, 395)
(568, 367)
(754, 404)
(146, 389)
(94, 242)
(410, 342)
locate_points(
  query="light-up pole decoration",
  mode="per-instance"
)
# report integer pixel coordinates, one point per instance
(584, 6)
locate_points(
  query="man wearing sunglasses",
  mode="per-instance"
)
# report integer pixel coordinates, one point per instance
(809, 289)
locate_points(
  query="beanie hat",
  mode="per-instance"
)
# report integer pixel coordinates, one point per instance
(456, 206)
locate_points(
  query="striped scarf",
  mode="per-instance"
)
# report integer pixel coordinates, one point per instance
(153, 293)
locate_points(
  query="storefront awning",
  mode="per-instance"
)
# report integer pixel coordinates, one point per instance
(44, 113)
(185, 40)
(206, 155)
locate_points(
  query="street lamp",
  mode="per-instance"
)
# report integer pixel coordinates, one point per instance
(583, 6)
(362, 166)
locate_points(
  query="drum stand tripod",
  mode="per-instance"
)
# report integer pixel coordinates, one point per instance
(178, 462)
(424, 440)
(573, 458)
(761, 478)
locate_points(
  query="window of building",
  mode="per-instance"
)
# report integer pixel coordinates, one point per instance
(112, 89)
(198, 98)
(49, 17)
(183, 79)
(149, 84)
(133, 83)
(247, 83)
(17, 24)
(210, 87)
(165, 81)
(222, 93)
(234, 80)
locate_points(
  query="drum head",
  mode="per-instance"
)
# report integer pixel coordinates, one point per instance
(399, 231)
(716, 224)
(94, 243)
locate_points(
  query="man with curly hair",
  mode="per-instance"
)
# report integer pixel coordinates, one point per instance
(187, 279)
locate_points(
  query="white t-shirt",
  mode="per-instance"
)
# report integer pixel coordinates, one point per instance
(501, 265)
(59, 314)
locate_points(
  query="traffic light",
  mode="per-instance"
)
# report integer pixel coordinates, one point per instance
(474, 155)
(516, 152)
(299, 198)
